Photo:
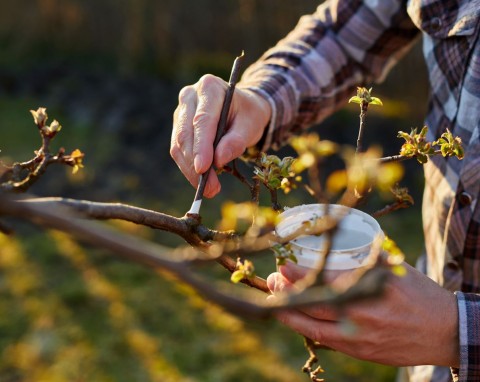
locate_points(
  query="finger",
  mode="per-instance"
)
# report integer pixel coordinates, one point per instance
(211, 93)
(231, 146)
(248, 117)
(181, 144)
(325, 332)
(293, 272)
(279, 284)
(334, 278)
(213, 185)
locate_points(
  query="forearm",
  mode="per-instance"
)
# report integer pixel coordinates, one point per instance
(314, 70)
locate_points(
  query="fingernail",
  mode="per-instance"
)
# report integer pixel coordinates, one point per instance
(272, 281)
(197, 164)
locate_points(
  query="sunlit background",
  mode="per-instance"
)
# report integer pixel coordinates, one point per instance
(110, 72)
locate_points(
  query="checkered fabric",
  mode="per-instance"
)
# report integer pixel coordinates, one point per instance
(344, 44)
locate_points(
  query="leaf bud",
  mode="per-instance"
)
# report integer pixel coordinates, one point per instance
(40, 116)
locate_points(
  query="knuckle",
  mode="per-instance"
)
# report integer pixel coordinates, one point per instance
(211, 85)
(201, 119)
(208, 80)
(175, 152)
(185, 94)
(182, 136)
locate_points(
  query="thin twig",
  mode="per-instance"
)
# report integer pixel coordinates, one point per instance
(394, 158)
(237, 174)
(391, 207)
(308, 368)
(361, 130)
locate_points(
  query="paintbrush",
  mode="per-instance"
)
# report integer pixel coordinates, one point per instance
(221, 127)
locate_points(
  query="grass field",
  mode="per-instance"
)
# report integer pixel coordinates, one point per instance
(73, 313)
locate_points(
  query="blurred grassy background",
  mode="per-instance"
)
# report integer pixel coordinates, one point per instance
(110, 71)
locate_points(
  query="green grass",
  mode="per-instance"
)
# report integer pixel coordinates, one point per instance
(69, 313)
(18, 134)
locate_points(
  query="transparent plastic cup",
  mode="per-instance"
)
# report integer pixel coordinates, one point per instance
(351, 243)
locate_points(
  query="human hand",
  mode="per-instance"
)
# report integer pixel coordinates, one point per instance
(195, 123)
(415, 322)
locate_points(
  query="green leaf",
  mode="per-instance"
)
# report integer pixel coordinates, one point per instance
(274, 160)
(459, 152)
(237, 276)
(274, 183)
(281, 261)
(355, 99)
(422, 158)
(424, 131)
(404, 135)
(444, 149)
(376, 101)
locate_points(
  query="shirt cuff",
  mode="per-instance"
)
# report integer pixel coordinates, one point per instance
(469, 337)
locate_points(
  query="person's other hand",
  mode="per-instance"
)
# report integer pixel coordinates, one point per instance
(414, 323)
(195, 123)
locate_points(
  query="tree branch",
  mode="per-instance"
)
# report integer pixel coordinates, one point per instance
(187, 228)
(151, 255)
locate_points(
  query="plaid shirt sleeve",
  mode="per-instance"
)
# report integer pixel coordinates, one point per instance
(469, 335)
(311, 72)
(347, 43)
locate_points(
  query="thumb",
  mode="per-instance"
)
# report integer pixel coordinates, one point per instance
(277, 283)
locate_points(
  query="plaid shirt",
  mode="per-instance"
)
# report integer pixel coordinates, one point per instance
(311, 73)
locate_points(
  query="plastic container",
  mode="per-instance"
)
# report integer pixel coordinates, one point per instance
(351, 242)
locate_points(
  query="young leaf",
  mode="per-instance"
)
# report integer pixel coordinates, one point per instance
(237, 276)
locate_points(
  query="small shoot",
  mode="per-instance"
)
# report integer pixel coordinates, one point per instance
(271, 170)
(283, 253)
(416, 145)
(364, 99)
(364, 96)
(244, 270)
(450, 145)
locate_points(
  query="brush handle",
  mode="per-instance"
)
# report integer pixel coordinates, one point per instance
(221, 128)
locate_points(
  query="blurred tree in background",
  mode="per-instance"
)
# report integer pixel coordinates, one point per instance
(111, 72)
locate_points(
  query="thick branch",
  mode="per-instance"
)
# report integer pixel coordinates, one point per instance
(152, 255)
(183, 227)
(128, 247)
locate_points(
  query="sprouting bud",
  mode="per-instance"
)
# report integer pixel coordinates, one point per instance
(77, 160)
(39, 116)
(364, 95)
(53, 129)
(243, 270)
